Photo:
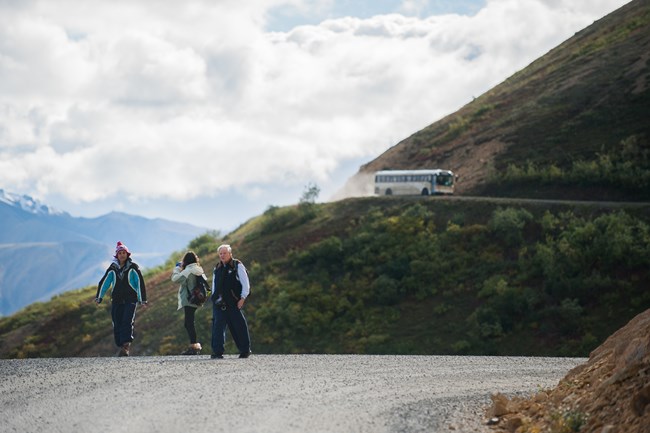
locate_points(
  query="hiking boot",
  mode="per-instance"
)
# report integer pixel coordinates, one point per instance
(124, 350)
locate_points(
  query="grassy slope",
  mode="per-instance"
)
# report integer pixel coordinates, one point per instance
(271, 245)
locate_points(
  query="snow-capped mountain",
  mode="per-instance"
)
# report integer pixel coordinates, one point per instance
(45, 251)
(28, 204)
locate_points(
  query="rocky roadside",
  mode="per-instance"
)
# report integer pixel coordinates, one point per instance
(610, 393)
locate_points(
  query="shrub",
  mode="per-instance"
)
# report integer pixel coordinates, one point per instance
(280, 219)
(508, 224)
(326, 254)
(205, 243)
(387, 290)
(567, 421)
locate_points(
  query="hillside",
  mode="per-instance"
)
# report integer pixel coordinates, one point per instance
(394, 275)
(573, 124)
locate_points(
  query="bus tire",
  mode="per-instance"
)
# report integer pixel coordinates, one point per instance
(424, 191)
(389, 191)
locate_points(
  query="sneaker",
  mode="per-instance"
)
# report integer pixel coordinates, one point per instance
(245, 354)
(215, 356)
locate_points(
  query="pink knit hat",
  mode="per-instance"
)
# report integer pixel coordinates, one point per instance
(121, 247)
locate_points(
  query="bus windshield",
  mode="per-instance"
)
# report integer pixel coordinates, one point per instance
(445, 179)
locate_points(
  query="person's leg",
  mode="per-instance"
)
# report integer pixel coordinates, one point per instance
(239, 330)
(218, 331)
(123, 316)
(189, 323)
(126, 323)
(195, 347)
(116, 314)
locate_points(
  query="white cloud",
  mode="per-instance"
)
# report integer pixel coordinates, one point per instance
(107, 99)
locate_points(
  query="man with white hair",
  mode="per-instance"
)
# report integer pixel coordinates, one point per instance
(230, 287)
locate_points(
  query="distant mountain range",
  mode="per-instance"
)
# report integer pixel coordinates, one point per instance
(44, 251)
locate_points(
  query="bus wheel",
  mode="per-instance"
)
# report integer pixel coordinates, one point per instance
(389, 191)
(425, 191)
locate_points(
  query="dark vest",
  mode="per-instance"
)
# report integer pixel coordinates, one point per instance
(227, 282)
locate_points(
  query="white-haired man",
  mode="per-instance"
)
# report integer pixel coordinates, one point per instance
(230, 287)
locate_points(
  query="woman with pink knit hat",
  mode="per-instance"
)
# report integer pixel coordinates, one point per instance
(124, 279)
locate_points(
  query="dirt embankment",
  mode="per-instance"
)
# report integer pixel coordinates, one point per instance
(608, 394)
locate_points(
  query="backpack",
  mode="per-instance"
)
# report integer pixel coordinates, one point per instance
(199, 293)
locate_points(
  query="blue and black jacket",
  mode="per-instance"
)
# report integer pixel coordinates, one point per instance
(125, 283)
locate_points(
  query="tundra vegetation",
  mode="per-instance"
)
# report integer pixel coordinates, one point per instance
(393, 276)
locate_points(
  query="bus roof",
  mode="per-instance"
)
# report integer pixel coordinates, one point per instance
(401, 172)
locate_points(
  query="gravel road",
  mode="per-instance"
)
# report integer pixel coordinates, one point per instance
(265, 393)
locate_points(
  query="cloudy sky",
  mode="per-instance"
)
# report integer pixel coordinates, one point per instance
(210, 111)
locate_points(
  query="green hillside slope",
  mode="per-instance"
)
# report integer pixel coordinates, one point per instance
(573, 124)
(394, 275)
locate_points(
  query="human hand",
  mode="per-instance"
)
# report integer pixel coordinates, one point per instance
(240, 303)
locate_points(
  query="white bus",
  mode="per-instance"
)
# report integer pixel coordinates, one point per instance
(423, 182)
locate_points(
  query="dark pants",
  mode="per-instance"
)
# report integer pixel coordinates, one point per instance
(189, 323)
(123, 316)
(234, 319)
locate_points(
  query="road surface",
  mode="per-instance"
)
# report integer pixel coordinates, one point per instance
(265, 393)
